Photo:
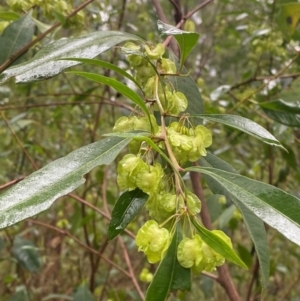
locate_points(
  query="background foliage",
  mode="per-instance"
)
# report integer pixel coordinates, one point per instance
(242, 46)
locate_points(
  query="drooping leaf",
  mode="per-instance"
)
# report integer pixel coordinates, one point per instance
(243, 124)
(83, 293)
(105, 65)
(38, 191)
(218, 244)
(185, 39)
(26, 254)
(45, 63)
(167, 275)
(254, 225)
(284, 112)
(15, 36)
(274, 206)
(126, 208)
(123, 89)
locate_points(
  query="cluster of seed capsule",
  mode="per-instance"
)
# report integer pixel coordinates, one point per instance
(140, 169)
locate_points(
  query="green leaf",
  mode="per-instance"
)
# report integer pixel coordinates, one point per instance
(185, 39)
(38, 191)
(9, 16)
(288, 18)
(20, 295)
(105, 65)
(57, 296)
(15, 36)
(167, 275)
(182, 276)
(254, 225)
(83, 294)
(274, 206)
(186, 85)
(284, 112)
(123, 89)
(26, 254)
(245, 255)
(45, 63)
(243, 124)
(218, 244)
(126, 208)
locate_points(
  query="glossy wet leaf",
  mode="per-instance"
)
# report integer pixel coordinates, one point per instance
(123, 89)
(243, 124)
(218, 244)
(26, 254)
(38, 191)
(185, 39)
(106, 65)
(254, 225)
(284, 112)
(83, 294)
(46, 63)
(125, 210)
(16, 35)
(274, 206)
(167, 275)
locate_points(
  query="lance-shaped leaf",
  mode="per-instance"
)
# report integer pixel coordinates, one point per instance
(38, 191)
(185, 39)
(26, 254)
(218, 244)
(105, 65)
(123, 89)
(274, 206)
(284, 112)
(45, 63)
(254, 225)
(168, 275)
(126, 208)
(15, 36)
(243, 124)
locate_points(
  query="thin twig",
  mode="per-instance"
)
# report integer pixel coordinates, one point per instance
(162, 17)
(11, 183)
(76, 197)
(187, 16)
(67, 233)
(18, 140)
(21, 51)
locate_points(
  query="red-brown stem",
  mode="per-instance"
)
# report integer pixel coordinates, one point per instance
(224, 277)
